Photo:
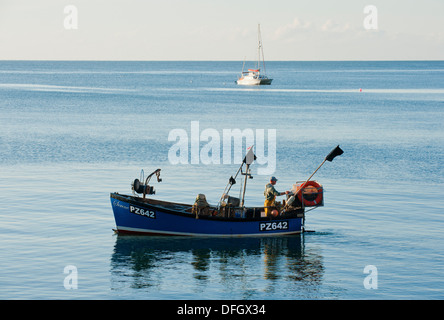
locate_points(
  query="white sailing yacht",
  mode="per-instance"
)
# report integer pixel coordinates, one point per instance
(254, 77)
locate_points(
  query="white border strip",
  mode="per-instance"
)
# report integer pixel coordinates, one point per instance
(173, 233)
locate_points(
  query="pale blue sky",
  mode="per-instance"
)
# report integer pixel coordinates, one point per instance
(221, 30)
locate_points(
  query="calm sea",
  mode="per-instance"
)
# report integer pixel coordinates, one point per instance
(72, 132)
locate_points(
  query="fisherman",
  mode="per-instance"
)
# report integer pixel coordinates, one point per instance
(270, 194)
(201, 206)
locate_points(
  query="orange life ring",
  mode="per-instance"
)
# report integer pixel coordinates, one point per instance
(313, 185)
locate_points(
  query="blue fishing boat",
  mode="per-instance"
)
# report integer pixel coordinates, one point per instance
(139, 214)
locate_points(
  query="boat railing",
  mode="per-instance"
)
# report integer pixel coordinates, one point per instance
(228, 211)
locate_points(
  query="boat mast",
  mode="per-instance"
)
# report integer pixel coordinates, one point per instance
(247, 175)
(263, 59)
(259, 47)
(243, 65)
(248, 160)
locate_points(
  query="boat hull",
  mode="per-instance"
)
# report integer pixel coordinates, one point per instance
(254, 82)
(134, 216)
(266, 81)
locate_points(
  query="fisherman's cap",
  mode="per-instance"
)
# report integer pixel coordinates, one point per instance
(273, 179)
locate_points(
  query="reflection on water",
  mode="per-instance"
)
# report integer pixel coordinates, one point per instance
(245, 268)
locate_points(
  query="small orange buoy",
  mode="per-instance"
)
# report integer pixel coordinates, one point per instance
(275, 213)
(360, 89)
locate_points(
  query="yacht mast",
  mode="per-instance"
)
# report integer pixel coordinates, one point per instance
(260, 50)
(259, 46)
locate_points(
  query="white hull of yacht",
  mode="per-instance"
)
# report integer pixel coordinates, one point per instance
(250, 81)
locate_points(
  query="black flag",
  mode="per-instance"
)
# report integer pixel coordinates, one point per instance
(250, 157)
(335, 152)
